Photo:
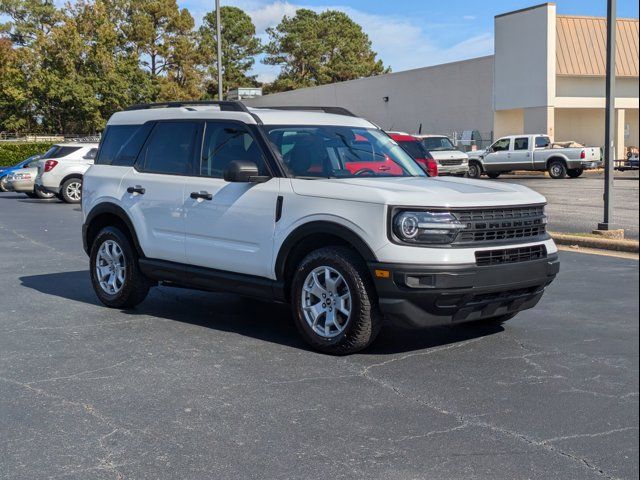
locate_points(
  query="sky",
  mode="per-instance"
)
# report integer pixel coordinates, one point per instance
(410, 34)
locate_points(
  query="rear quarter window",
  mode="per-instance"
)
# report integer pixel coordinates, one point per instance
(121, 144)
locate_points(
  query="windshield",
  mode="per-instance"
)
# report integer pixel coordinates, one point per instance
(434, 144)
(340, 152)
(414, 149)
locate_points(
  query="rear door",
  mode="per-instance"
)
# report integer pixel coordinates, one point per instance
(153, 191)
(520, 154)
(229, 225)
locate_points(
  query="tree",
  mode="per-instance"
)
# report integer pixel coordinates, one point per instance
(29, 18)
(15, 104)
(239, 49)
(316, 49)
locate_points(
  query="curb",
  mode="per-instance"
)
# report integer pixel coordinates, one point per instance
(629, 246)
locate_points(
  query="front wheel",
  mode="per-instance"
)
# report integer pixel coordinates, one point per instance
(334, 303)
(71, 191)
(475, 170)
(557, 169)
(115, 274)
(575, 172)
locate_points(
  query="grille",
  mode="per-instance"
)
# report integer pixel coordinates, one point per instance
(510, 255)
(447, 163)
(501, 225)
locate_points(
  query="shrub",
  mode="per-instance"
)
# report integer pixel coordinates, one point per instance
(12, 153)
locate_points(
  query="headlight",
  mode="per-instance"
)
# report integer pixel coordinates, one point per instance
(425, 227)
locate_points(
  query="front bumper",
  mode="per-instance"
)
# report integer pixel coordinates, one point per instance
(453, 169)
(422, 296)
(21, 185)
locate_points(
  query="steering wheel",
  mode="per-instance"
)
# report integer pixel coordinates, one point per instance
(365, 171)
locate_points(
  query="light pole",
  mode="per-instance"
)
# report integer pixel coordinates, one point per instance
(219, 42)
(609, 125)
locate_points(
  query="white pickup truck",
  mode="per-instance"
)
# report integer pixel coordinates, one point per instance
(534, 153)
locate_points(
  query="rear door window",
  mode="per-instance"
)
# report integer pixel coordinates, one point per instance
(521, 143)
(170, 148)
(414, 149)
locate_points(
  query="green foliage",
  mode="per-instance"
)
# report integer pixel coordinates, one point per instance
(316, 49)
(12, 153)
(68, 69)
(239, 49)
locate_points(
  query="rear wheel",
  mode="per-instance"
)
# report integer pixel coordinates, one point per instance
(71, 191)
(475, 170)
(557, 169)
(575, 172)
(333, 300)
(42, 194)
(3, 184)
(493, 174)
(115, 274)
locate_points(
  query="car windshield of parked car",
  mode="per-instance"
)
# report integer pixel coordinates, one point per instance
(414, 149)
(340, 152)
(434, 144)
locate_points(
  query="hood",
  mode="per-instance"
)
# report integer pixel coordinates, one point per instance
(448, 154)
(419, 191)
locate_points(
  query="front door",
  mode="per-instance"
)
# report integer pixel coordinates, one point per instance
(153, 191)
(229, 225)
(497, 160)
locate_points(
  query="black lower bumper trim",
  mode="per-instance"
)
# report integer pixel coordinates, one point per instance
(420, 296)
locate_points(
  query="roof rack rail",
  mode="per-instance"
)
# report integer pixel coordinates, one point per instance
(333, 110)
(225, 105)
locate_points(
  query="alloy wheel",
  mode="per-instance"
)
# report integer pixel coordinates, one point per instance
(74, 191)
(110, 267)
(326, 302)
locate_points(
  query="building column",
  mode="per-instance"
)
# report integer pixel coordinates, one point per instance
(539, 120)
(618, 141)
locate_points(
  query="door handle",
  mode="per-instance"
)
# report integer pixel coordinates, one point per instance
(137, 189)
(202, 195)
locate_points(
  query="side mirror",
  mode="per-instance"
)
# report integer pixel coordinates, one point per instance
(243, 171)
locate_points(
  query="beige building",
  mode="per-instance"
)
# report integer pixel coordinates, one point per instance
(547, 76)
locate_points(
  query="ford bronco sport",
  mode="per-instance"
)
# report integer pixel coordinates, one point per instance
(273, 203)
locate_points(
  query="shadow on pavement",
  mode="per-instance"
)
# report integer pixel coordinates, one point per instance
(262, 320)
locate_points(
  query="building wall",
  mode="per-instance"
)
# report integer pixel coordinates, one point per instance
(626, 87)
(525, 60)
(508, 122)
(445, 98)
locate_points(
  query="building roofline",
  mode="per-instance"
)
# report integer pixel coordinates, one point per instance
(525, 9)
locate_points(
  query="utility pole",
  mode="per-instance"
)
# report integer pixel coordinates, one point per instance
(219, 42)
(609, 126)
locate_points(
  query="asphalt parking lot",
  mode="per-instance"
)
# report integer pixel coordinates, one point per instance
(576, 205)
(193, 385)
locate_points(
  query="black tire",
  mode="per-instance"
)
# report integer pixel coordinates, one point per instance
(557, 169)
(475, 169)
(42, 195)
(135, 287)
(365, 319)
(31, 194)
(575, 172)
(68, 188)
(493, 174)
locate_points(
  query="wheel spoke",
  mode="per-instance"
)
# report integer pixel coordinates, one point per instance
(326, 301)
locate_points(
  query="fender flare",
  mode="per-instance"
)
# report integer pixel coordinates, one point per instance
(320, 227)
(112, 209)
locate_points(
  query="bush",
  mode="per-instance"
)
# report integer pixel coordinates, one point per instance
(12, 153)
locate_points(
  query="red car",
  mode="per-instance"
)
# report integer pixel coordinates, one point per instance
(413, 146)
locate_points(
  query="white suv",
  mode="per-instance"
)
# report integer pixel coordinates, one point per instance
(61, 169)
(290, 205)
